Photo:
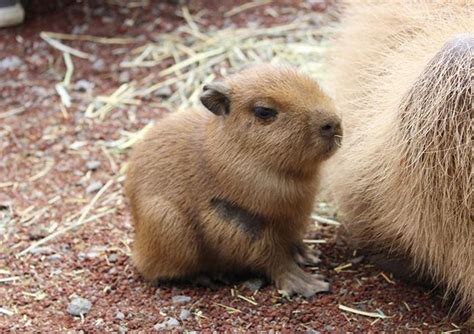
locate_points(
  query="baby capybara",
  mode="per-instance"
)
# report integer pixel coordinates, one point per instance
(230, 187)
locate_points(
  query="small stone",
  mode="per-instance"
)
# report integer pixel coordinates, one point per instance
(119, 315)
(42, 250)
(83, 85)
(91, 255)
(124, 77)
(123, 329)
(181, 299)
(93, 187)
(254, 284)
(92, 165)
(184, 314)
(79, 306)
(37, 232)
(112, 257)
(54, 257)
(163, 92)
(357, 260)
(10, 63)
(312, 331)
(99, 65)
(168, 324)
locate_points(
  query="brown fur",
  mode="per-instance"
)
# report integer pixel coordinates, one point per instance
(228, 192)
(403, 179)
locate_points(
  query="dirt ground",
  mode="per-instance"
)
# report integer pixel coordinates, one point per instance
(54, 160)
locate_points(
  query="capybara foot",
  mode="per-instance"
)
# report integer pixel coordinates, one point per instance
(306, 256)
(297, 281)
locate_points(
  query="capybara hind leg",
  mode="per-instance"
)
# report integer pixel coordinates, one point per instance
(158, 231)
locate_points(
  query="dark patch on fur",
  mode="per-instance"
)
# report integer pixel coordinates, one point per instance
(251, 223)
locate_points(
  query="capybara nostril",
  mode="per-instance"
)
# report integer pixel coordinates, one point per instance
(331, 129)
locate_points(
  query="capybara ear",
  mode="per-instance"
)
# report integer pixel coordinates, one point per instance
(216, 97)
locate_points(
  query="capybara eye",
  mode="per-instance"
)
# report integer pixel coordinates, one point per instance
(264, 113)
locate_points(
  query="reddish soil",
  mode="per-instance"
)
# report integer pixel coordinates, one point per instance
(44, 152)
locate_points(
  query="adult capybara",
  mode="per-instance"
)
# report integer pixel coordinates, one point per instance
(403, 178)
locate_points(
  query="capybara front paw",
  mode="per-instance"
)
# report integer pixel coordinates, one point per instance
(299, 282)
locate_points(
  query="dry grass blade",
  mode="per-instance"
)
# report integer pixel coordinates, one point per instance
(9, 279)
(229, 309)
(69, 69)
(324, 220)
(44, 171)
(6, 311)
(314, 241)
(360, 312)
(90, 38)
(63, 94)
(246, 6)
(12, 112)
(248, 300)
(64, 48)
(78, 223)
(340, 268)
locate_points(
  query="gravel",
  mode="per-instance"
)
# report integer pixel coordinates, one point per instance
(113, 257)
(94, 187)
(10, 63)
(168, 324)
(163, 92)
(92, 165)
(79, 306)
(119, 315)
(180, 299)
(184, 314)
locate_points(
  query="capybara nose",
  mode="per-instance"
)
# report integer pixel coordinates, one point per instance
(331, 129)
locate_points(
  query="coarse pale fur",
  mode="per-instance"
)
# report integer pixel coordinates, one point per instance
(269, 169)
(403, 178)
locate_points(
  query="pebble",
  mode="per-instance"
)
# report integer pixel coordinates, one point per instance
(312, 331)
(79, 306)
(112, 257)
(94, 187)
(119, 316)
(163, 92)
(42, 250)
(180, 299)
(357, 260)
(168, 324)
(254, 284)
(122, 329)
(92, 164)
(124, 77)
(99, 65)
(54, 257)
(10, 63)
(184, 314)
(83, 85)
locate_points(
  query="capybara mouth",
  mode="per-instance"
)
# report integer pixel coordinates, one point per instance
(338, 140)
